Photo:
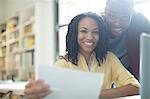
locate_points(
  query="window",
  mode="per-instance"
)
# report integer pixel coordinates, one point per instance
(144, 8)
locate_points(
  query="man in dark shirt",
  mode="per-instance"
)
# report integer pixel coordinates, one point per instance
(124, 27)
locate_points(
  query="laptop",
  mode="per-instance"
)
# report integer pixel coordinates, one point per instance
(145, 65)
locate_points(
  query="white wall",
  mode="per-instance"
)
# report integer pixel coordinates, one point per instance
(45, 53)
(12, 6)
(1, 11)
(45, 17)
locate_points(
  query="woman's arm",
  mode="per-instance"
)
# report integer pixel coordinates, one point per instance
(126, 90)
(125, 82)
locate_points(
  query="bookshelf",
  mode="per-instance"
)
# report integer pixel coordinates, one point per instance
(17, 40)
(27, 38)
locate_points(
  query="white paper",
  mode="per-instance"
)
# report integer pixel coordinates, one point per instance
(71, 84)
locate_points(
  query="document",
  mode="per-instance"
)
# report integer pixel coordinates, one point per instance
(71, 84)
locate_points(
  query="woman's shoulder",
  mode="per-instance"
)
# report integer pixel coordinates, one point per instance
(110, 55)
(62, 61)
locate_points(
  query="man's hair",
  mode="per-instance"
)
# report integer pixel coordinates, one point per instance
(123, 1)
(72, 43)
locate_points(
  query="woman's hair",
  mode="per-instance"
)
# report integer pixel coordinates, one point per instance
(71, 38)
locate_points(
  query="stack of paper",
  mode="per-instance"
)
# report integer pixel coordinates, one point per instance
(71, 84)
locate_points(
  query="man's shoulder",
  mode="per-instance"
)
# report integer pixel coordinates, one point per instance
(138, 17)
(139, 23)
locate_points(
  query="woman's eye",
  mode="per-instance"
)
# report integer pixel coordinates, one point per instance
(83, 31)
(95, 32)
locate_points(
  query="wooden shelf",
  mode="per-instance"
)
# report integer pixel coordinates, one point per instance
(28, 35)
(17, 42)
(30, 21)
(27, 49)
(3, 44)
(11, 41)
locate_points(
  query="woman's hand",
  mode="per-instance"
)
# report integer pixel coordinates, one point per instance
(36, 90)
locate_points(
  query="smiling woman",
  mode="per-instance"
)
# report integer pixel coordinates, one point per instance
(68, 9)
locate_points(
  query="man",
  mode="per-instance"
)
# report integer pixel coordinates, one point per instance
(124, 28)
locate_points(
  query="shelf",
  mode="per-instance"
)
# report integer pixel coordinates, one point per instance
(13, 30)
(12, 41)
(2, 70)
(3, 34)
(3, 44)
(31, 21)
(15, 52)
(2, 56)
(27, 49)
(17, 44)
(28, 35)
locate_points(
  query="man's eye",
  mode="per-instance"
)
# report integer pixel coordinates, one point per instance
(112, 16)
(125, 17)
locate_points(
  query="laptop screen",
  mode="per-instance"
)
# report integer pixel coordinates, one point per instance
(145, 65)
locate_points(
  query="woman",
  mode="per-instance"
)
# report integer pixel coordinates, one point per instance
(86, 50)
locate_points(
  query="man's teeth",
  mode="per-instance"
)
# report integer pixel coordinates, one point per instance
(117, 28)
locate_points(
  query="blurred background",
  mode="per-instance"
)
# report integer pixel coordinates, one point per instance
(32, 32)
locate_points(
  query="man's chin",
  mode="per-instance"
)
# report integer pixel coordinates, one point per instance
(117, 32)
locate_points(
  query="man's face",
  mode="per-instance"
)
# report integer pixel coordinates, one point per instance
(118, 16)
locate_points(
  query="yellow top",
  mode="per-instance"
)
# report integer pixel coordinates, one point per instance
(113, 70)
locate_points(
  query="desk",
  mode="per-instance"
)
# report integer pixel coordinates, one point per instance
(16, 88)
(131, 97)
(128, 97)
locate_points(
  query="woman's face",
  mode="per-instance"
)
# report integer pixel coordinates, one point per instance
(88, 35)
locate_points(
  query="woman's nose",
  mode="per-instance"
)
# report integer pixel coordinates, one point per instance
(89, 35)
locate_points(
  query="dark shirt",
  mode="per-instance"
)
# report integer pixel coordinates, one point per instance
(127, 46)
(117, 45)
